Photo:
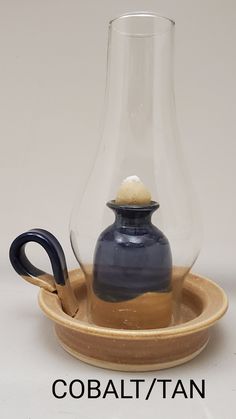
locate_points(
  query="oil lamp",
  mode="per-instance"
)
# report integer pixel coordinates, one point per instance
(135, 230)
(132, 283)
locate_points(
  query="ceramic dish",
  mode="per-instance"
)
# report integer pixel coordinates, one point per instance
(204, 302)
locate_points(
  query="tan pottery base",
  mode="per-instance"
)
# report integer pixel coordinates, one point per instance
(204, 302)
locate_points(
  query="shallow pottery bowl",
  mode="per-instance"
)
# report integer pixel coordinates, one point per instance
(203, 304)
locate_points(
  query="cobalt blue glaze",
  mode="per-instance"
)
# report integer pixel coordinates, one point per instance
(132, 256)
(53, 248)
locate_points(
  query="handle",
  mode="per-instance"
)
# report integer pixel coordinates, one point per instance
(59, 282)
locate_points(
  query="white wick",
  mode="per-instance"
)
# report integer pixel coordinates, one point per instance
(132, 191)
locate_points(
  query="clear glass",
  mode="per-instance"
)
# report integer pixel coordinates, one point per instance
(140, 137)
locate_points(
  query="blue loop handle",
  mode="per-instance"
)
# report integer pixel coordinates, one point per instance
(24, 267)
(59, 282)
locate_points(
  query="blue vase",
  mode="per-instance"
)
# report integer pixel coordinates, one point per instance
(132, 256)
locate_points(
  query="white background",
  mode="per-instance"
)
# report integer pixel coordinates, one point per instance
(52, 79)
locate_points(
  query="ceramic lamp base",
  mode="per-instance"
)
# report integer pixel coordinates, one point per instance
(203, 304)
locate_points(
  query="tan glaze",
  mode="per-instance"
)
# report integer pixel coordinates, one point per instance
(43, 281)
(148, 311)
(151, 310)
(203, 304)
(178, 276)
(68, 299)
(65, 293)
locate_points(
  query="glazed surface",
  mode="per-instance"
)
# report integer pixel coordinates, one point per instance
(148, 311)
